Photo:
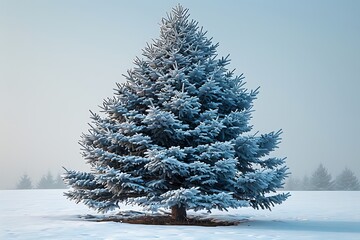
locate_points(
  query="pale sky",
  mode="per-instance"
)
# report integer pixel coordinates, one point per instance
(60, 59)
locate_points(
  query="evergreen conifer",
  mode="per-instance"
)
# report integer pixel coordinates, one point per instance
(176, 135)
(25, 182)
(347, 181)
(321, 180)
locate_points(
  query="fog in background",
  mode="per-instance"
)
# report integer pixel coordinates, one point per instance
(60, 59)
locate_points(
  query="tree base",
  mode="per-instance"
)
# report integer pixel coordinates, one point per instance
(178, 213)
(168, 220)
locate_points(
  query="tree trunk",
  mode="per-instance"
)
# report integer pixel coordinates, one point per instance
(178, 213)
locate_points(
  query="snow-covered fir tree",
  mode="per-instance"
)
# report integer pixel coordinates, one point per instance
(46, 182)
(24, 182)
(321, 180)
(347, 181)
(176, 135)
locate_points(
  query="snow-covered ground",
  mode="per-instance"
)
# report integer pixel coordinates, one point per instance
(46, 214)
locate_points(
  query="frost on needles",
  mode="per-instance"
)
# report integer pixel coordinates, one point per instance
(176, 135)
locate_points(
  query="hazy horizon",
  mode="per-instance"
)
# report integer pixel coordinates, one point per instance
(60, 59)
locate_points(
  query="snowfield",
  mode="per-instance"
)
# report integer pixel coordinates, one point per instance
(46, 214)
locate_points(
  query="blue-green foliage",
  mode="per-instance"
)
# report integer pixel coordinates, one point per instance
(177, 133)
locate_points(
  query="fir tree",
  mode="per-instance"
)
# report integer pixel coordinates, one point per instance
(177, 135)
(46, 182)
(321, 180)
(347, 181)
(25, 182)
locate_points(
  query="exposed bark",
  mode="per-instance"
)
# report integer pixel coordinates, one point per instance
(178, 213)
